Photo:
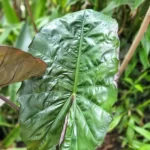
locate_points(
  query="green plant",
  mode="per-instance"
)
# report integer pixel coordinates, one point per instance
(66, 98)
(129, 118)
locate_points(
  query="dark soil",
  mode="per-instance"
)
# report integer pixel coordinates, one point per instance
(111, 142)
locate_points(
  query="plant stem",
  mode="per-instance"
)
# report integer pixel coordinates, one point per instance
(17, 9)
(135, 43)
(31, 16)
(9, 102)
(57, 147)
(63, 131)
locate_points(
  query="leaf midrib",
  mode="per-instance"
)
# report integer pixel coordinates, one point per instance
(78, 59)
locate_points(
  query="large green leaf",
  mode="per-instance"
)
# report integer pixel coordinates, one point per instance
(70, 105)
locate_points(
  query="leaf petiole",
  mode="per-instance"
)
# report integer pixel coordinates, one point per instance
(9, 102)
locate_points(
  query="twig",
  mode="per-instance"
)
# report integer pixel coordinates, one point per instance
(9, 102)
(57, 147)
(17, 9)
(30, 14)
(86, 4)
(135, 43)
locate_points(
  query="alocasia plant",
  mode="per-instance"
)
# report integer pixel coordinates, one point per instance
(69, 107)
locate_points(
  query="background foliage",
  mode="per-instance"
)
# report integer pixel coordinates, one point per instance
(130, 129)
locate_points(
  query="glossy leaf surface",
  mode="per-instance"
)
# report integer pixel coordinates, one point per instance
(16, 65)
(70, 105)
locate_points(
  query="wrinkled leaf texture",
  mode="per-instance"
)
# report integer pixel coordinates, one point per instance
(70, 105)
(16, 65)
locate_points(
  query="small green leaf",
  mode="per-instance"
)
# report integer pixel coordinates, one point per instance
(115, 122)
(5, 35)
(131, 66)
(130, 134)
(138, 87)
(11, 137)
(136, 144)
(3, 123)
(147, 125)
(129, 80)
(142, 132)
(144, 105)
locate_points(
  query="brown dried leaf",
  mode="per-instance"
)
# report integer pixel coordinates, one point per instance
(16, 65)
